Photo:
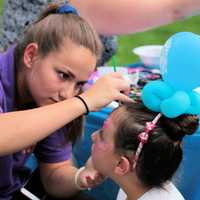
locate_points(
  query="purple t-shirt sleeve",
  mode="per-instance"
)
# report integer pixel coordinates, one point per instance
(1, 97)
(53, 148)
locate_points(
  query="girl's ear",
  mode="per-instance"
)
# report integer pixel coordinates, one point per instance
(123, 166)
(29, 54)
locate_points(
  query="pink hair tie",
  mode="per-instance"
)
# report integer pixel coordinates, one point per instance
(143, 137)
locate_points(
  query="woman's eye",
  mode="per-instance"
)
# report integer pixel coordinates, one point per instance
(63, 76)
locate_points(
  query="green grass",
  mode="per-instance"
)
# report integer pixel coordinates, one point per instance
(1, 6)
(155, 36)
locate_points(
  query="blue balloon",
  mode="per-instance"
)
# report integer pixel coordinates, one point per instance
(154, 93)
(195, 103)
(176, 105)
(159, 97)
(180, 61)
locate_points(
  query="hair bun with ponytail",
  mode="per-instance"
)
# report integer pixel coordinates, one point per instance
(178, 127)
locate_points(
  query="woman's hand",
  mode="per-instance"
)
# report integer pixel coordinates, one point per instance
(105, 90)
(89, 177)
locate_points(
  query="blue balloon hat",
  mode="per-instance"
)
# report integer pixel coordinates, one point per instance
(180, 61)
(180, 71)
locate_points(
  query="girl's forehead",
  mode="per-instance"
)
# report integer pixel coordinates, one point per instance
(112, 119)
(107, 122)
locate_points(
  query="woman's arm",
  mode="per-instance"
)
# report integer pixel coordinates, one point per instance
(20, 129)
(59, 178)
(129, 16)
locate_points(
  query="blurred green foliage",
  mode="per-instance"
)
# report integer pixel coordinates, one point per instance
(154, 36)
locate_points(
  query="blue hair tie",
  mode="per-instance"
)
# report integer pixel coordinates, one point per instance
(66, 8)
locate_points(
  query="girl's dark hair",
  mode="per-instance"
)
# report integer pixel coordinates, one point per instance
(49, 32)
(162, 154)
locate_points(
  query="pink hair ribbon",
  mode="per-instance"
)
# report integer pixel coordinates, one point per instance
(143, 137)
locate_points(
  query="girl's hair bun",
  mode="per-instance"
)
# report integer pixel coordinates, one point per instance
(178, 127)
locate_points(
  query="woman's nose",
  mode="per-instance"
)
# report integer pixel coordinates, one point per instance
(67, 92)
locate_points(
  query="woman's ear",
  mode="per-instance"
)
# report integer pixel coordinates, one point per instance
(29, 54)
(123, 166)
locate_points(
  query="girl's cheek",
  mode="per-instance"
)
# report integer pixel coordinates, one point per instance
(101, 146)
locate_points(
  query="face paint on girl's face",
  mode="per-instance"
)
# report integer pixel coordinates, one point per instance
(103, 155)
(107, 123)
